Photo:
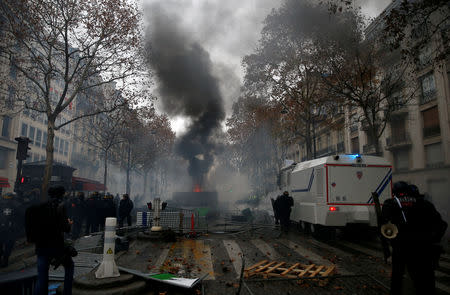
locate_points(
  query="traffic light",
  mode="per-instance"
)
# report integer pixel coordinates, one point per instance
(22, 148)
(149, 206)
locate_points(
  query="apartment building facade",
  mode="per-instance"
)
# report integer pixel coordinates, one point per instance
(417, 138)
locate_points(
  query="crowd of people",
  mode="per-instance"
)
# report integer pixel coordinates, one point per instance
(87, 214)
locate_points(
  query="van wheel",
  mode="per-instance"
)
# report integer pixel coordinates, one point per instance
(304, 227)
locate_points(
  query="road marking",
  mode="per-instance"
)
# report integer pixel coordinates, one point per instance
(308, 254)
(162, 258)
(202, 257)
(315, 258)
(336, 251)
(361, 249)
(266, 249)
(235, 254)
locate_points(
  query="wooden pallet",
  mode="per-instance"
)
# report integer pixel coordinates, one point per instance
(280, 269)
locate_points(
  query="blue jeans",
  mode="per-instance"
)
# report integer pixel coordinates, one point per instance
(43, 265)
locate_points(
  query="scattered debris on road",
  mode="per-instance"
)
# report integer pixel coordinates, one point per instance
(267, 269)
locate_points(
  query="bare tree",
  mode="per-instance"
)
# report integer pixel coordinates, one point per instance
(61, 49)
(285, 66)
(363, 76)
(104, 134)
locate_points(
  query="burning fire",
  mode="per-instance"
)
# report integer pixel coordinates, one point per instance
(197, 188)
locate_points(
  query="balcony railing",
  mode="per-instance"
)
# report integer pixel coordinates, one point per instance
(401, 140)
(325, 152)
(431, 131)
(428, 96)
(368, 149)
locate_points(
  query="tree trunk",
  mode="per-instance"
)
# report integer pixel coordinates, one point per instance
(105, 174)
(145, 183)
(309, 154)
(49, 160)
(128, 189)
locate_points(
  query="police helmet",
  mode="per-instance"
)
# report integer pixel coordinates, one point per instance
(400, 188)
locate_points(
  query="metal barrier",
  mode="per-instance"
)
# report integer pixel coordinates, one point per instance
(176, 219)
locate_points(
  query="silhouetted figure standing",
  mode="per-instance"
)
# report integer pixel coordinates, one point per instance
(91, 212)
(77, 214)
(282, 206)
(125, 207)
(420, 228)
(46, 226)
(11, 221)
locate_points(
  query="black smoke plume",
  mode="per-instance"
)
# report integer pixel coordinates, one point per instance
(183, 69)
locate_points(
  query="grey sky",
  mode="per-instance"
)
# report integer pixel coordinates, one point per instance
(229, 30)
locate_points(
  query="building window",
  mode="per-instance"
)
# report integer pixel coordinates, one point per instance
(428, 88)
(431, 125)
(355, 145)
(5, 126)
(56, 145)
(24, 131)
(425, 56)
(61, 146)
(3, 158)
(66, 148)
(31, 134)
(434, 155)
(44, 140)
(38, 139)
(401, 160)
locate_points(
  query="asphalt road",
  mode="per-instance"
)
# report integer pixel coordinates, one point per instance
(219, 256)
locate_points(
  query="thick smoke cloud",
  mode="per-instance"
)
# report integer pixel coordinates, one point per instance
(187, 87)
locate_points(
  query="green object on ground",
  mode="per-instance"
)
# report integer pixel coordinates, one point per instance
(202, 211)
(163, 276)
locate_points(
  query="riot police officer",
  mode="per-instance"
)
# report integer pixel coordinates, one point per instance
(10, 225)
(282, 206)
(91, 212)
(77, 214)
(420, 226)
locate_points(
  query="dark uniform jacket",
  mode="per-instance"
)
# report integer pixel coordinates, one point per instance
(423, 226)
(10, 218)
(283, 204)
(125, 207)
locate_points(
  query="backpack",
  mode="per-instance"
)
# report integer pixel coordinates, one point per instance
(39, 217)
(31, 222)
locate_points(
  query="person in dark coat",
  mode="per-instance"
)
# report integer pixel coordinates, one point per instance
(125, 207)
(52, 224)
(420, 229)
(11, 217)
(77, 214)
(109, 208)
(91, 215)
(282, 206)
